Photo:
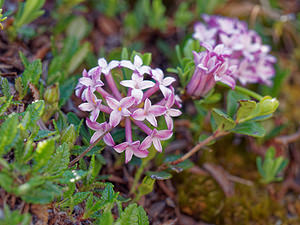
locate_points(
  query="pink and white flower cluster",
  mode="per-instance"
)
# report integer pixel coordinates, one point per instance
(211, 66)
(245, 48)
(135, 107)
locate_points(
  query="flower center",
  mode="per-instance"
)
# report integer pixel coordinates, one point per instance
(120, 109)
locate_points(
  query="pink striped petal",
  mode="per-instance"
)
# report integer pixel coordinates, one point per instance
(125, 112)
(112, 103)
(137, 94)
(115, 118)
(102, 63)
(174, 112)
(165, 91)
(127, 64)
(127, 102)
(168, 81)
(121, 147)
(157, 110)
(128, 83)
(157, 144)
(128, 155)
(164, 134)
(151, 119)
(113, 64)
(95, 114)
(86, 107)
(96, 126)
(147, 142)
(147, 105)
(139, 115)
(86, 81)
(108, 139)
(95, 136)
(140, 153)
(169, 122)
(146, 84)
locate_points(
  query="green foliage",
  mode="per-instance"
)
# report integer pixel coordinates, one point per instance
(146, 12)
(183, 15)
(28, 11)
(223, 121)
(110, 7)
(133, 214)
(67, 61)
(14, 217)
(1, 16)
(271, 166)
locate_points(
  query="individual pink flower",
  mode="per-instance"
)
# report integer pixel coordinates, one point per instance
(137, 85)
(131, 148)
(92, 105)
(171, 112)
(137, 65)
(149, 112)
(93, 79)
(155, 137)
(100, 129)
(107, 67)
(163, 83)
(119, 109)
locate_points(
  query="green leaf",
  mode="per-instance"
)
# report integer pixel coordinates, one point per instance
(233, 98)
(32, 73)
(43, 194)
(32, 114)
(73, 31)
(59, 161)
(78, 57)
(6, 182)
(146, 186)
(106, 219)
(133, 215)
(223, 121)
(250, 128)
(108, 197)
(5, 105)
(246, 109)
(29, 12)
(43, 153)
(161, 175)
(66, 89)
(8, 132)
(5, 88)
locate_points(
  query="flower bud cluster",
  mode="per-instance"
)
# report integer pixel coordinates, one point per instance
(244, 46)
(135, 107)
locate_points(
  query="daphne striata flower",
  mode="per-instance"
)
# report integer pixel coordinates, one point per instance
(245, 47)
(156, 137)
(149, 112)
(92, 105)
(119, 109)
(137, 66)
(171, 112)
(163, 83)
(137, 85)
(107, 67)
(134, 102)
(100, 130)
(211, 66)
(131, 148)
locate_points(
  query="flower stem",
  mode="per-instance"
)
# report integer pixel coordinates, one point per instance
(128, 131)
(88, 149)
(195, 148)
(244, 91)
(113, 86)
(150, 92)
(143, 127)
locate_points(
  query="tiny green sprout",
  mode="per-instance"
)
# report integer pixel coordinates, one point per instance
(2, 19)
(271, 166)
